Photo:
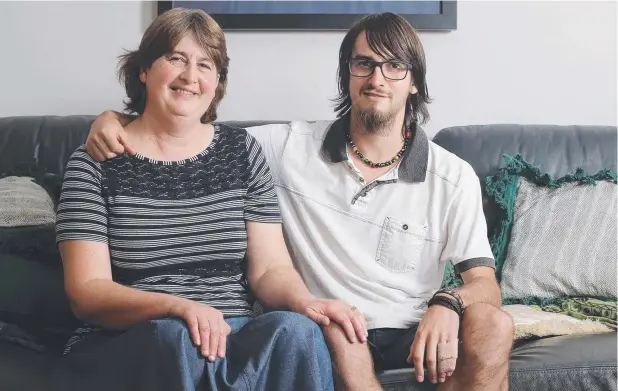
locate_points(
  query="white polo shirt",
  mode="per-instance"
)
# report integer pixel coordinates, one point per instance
(379, 246)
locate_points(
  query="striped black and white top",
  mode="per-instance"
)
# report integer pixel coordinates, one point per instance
(173, 227)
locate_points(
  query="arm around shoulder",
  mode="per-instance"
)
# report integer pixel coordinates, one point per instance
(107, 137)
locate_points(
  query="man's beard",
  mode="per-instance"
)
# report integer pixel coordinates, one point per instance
(373, 121)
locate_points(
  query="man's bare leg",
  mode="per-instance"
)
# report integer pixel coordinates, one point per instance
(352, 363)
(483, 364)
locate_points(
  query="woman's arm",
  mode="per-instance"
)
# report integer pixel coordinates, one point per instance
(275, 282)
(96, 299)
(82, 234)
(271, 274)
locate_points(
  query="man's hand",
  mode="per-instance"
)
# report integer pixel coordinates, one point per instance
(440, 325)
(107, 138)
(349, 318)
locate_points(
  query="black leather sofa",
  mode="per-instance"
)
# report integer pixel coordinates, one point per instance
(586, 363)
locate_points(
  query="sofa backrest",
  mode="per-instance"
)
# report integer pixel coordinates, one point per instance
(49, 141)
(557, 150)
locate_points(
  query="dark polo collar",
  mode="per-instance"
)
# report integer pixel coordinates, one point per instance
(413, 166)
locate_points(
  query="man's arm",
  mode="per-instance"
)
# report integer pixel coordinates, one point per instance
(480, 286)
(468, 248)
(107, 137)
(467, 245)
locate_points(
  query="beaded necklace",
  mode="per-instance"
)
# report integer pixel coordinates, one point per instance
(382, 164)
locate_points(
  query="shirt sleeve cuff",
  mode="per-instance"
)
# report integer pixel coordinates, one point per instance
(474, 262)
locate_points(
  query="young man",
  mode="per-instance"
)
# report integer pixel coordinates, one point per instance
(372, 211)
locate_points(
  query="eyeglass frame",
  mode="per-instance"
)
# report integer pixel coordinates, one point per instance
(379, 64)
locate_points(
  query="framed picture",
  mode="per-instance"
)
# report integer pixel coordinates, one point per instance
(319, 15)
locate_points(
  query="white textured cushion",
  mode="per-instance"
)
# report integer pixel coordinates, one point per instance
(23, 203)
(563, 241)
(531, 322)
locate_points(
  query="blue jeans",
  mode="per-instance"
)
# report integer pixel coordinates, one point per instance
(275, 351)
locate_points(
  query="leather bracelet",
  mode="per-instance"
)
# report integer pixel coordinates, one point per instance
(453, 294)
(453, 305)
(448, 303)
(445, 304)
(449, 298)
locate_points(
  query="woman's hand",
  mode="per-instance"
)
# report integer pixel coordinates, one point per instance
(206, 325)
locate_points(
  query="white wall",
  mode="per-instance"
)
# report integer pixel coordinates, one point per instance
(60, 57)
(518, 62)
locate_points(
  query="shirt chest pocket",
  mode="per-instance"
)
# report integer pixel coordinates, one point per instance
(401, 244)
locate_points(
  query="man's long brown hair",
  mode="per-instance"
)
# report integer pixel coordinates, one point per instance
(392, 37)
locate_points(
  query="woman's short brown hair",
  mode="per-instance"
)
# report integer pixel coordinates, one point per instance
(388, 35)
(160, 38)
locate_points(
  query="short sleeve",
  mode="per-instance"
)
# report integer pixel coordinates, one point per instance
(82, 211)
(261, 200)
(272, 138)
(467, 245)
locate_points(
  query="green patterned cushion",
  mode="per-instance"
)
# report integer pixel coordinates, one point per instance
(558, 236)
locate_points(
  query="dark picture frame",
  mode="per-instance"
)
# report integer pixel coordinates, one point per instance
(445, 19)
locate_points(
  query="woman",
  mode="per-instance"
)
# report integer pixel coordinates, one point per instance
(154, 243)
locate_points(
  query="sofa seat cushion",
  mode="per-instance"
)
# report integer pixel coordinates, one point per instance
(34, 308)
(24, 369)
(585, 362)
(575, 362)
(403, 380)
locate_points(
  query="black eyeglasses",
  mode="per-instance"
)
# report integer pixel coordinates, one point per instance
(392, 70)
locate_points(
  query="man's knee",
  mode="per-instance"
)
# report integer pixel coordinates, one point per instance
(487, 333)
(339, 344)
(490, 319)
(334, 335)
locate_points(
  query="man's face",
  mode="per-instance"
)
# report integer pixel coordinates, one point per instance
(377, 100)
